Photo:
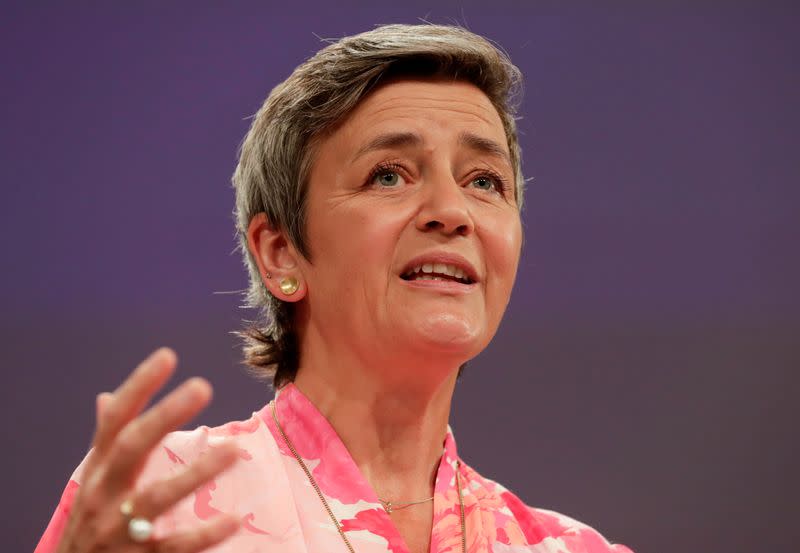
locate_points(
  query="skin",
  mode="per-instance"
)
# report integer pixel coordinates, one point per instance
(379, 357)
(123, 439)
(379, 354)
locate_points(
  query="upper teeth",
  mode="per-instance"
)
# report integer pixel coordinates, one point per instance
(440, 268)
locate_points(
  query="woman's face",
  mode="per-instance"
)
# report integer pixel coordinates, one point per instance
(412, 225)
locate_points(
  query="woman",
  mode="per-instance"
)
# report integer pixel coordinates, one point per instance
(377, 200)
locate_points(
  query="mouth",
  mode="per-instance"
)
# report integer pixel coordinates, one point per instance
(451, 269)
(437, 271)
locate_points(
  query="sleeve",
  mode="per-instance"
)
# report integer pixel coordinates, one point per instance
(557, 532)
(574, 535)
(157, 467)
(52, 534)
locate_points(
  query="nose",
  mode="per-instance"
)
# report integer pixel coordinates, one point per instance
(444, 207)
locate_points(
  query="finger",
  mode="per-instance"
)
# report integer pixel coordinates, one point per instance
(135, 441)
(101, 402)
(160, 496)
(209, 534)
(131, 396)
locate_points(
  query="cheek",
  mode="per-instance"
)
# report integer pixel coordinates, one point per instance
(503, 242)
(357, 243)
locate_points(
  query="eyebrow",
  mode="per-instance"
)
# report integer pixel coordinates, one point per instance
(389, 140)
(484, 145)
(472, 141)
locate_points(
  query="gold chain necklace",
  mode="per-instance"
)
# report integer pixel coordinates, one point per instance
(392, 507)
(328, 508)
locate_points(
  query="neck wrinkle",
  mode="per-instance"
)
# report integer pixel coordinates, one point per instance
(390, 411)
(395, 436)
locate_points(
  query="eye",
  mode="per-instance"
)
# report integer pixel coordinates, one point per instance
(387, 178)
(385, 175)
(490, 181)
(484, 183)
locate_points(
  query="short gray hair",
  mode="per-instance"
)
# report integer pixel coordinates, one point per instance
(278, 151)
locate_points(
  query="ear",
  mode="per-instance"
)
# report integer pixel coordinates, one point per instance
(276, 257)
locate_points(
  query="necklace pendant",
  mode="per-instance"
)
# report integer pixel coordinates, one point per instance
(388, 506)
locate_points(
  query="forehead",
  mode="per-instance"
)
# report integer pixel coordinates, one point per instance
(422, 104)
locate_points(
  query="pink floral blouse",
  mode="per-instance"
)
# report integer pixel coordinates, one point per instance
(281, 512)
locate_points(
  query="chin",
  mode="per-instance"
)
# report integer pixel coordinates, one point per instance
(451, 334)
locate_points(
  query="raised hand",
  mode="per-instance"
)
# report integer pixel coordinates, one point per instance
(122, 442)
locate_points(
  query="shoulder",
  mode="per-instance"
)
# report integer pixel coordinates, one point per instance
(574, 535)
(544, 529)
(259, 463)
(256, 448)
(255, 488)
(250, 436)
(181, 448)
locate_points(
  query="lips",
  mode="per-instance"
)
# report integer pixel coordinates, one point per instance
(437, 271)
(442, 267)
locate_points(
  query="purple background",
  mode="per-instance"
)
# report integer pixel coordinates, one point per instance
(645, 377)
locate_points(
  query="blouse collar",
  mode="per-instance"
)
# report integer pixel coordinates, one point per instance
(340, 479)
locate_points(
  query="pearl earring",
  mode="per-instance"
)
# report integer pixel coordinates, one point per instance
(289, 285)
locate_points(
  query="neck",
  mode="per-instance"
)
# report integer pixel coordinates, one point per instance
(393, 428)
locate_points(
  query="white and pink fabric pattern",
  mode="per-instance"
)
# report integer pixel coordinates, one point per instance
(280, 510)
